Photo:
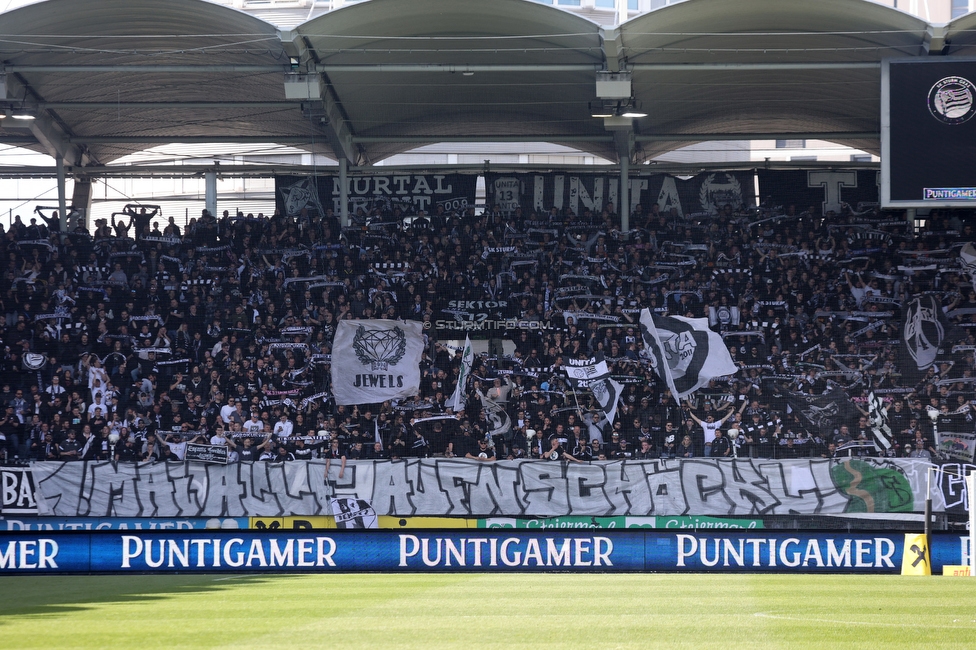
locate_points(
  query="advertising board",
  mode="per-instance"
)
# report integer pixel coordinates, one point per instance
(468, 550)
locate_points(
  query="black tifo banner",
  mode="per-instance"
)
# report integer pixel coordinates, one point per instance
(825, 190)
(408, 192)
(206, 453)
(704, 193)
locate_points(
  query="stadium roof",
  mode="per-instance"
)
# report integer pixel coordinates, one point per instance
(110, 77)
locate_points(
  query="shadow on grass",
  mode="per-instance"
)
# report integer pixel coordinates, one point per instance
(34, 596)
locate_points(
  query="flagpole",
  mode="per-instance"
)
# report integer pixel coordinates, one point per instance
(928, 504)
(467, 361)
(579, 410)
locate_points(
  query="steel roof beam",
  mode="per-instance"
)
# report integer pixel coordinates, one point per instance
(935, 41)
(195, 139)
(433, 139)
(293, 139)
(337, 124)
(148, 105)
(142, 68)
(455, 68)
(725, 67)
(430, 139)
(705, 137)
(613, 50)
(269, 171)
(51, 133)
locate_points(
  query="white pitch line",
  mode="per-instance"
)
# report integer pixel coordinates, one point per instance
(840, 622)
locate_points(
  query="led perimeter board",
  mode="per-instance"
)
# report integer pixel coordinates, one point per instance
(928, 133)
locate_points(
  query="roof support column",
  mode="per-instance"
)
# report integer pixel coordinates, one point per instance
(624, 139)
(624, 196)
(210, 183)
(62, 199)
(81, 201)
(343, 192)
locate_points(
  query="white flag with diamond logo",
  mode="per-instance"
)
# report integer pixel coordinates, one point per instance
(376, 360)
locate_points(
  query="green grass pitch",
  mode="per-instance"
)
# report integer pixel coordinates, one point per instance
(480, 610)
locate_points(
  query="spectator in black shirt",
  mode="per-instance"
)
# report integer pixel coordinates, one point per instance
(247, 452)
(620, 449)
(334, 453)
(283, 454)
(721, 447)
(302, 451)
(557, 452)
(484, 453)
(686, 449)
(125, 450)
(355, 451)
(71, 447)
(646, 451)
(376, 452)
(418, 446)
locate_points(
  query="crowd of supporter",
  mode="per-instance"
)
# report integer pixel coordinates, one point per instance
(138, 338)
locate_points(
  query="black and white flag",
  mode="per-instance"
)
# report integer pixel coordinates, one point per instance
(354, 513)
(376, 360)
(594, 374)
(684, 352)
(878, 417)
(924, 331)
(499, 422)
(34, 361)
(724, 316)
(968, 258)
(301, 194)
(607, 392)
(581, 371)
(822, 413)
(457, 400)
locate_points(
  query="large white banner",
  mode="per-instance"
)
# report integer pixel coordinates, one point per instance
(460, 487)
(376, 360)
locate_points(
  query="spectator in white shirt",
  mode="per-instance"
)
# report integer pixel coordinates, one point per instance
(254, 425)
(283, 427)
(218, 439)
(226, 410)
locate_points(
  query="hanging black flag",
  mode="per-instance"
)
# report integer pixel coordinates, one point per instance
(822, 413)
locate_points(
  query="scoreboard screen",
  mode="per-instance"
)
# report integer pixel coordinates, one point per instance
(928, 133)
